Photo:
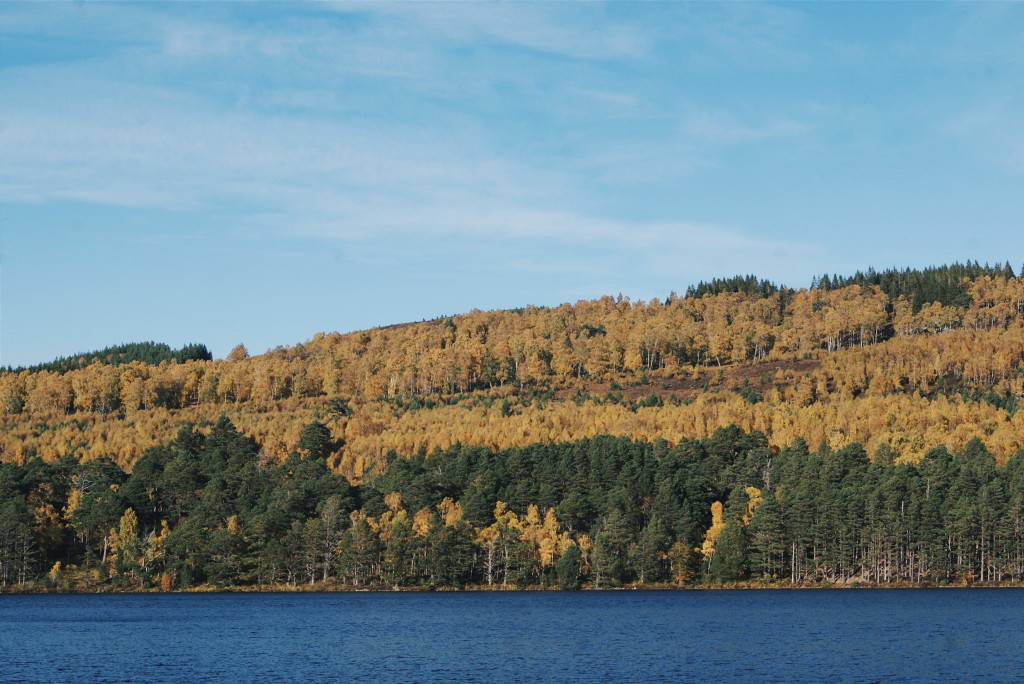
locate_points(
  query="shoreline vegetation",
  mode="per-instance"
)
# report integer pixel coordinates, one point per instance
(201, 513)
(333, 588)
(863, 431)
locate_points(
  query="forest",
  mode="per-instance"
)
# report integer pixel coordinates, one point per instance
(864, 430)
(207, 510)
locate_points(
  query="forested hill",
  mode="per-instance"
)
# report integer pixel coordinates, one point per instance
(864, 429)
(830, 365)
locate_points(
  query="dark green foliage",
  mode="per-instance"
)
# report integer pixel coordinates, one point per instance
(943, 284)
(609, 555)
(767, 540)
(568, 569)
(729, 562)
(315, 441)
(225, 519)
(361, 554)
(450, 555)
(339, 408)
(1008, 402)
(647, 555)
(151, 353)
(400, 555)
(17, 543)
(748, 284)
(826, 516)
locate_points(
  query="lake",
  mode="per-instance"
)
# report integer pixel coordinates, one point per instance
(692, 636)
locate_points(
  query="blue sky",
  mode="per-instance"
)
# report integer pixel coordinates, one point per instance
(259, 172)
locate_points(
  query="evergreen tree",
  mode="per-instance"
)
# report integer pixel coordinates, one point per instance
(568, 569)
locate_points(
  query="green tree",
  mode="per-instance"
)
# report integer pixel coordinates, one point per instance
(17, 546)
(360, 558)
(767, 540)
(399, 562)
(567, 569)
(729, 562)
(608, 558)
(315, 441)
(648, 559)
(450, 554)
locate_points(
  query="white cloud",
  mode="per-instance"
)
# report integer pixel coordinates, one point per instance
(281, 151)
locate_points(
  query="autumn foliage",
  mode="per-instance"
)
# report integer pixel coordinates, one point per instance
(741, 431)
(835, 366)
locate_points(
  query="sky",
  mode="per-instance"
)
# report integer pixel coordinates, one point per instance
(258, 172)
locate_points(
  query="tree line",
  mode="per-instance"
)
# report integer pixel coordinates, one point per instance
(209, 508)
(944, 285)
(150, 353)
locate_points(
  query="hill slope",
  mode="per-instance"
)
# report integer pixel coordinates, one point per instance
(743, 432)
(833, 366)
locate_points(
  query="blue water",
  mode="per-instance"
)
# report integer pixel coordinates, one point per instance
(821, 635)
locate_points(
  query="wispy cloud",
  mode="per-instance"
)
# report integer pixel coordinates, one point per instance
(306, 177)
(723, 128)
(720, 36)
(521, 123)
(311, 157)
(575, 30)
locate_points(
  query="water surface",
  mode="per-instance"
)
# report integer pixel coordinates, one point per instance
(819, 635)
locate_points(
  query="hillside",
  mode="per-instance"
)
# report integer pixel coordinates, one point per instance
(894, 371)
(865, 430)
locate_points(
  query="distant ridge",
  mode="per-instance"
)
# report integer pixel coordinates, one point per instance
(151, 353)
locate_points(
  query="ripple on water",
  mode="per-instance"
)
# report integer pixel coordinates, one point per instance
(771, 636)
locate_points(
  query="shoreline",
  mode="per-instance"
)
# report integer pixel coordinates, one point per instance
(324, 588)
